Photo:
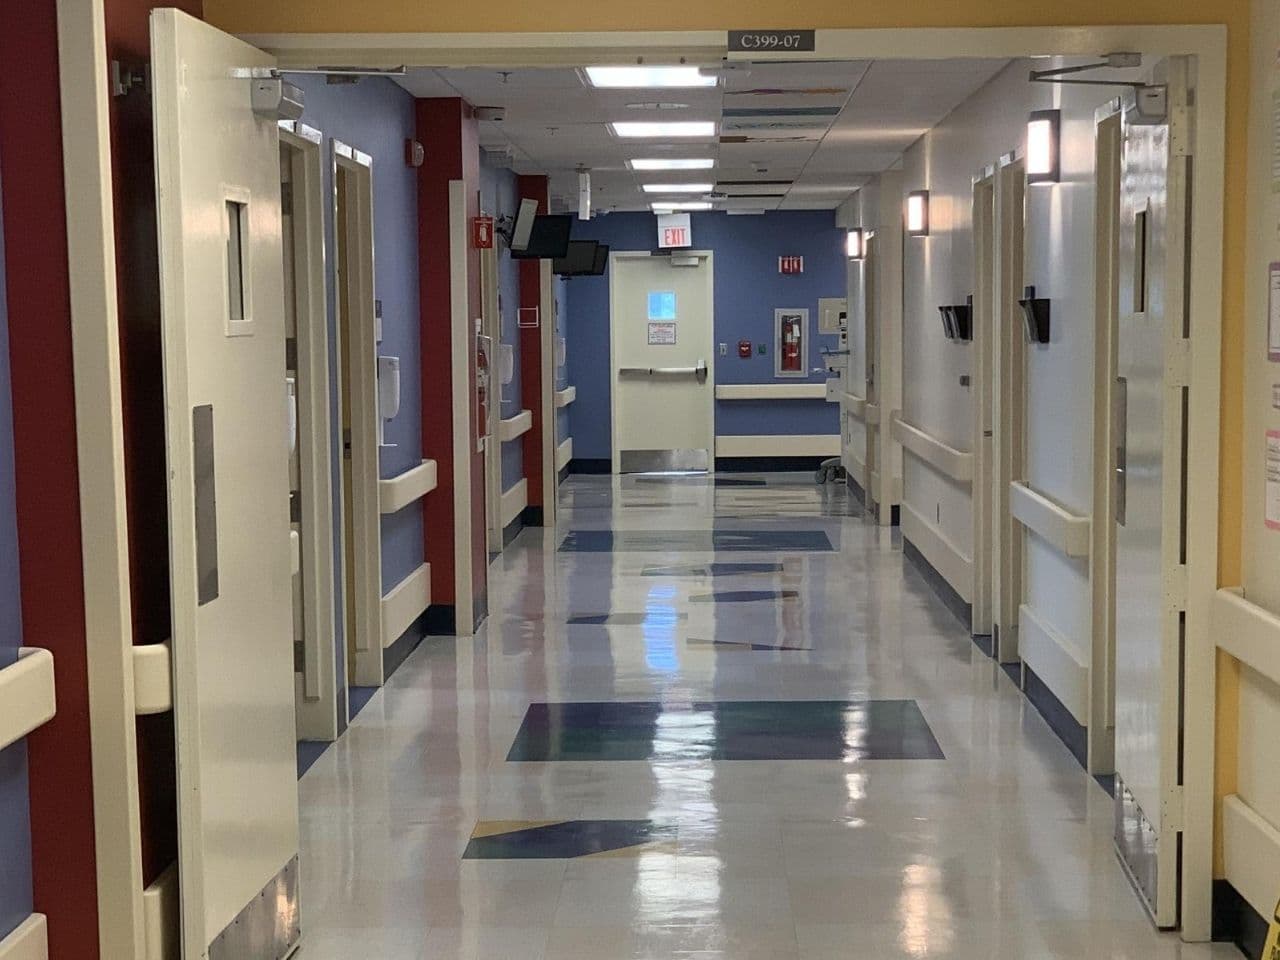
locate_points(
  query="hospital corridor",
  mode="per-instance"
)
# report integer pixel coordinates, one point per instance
(713, 481)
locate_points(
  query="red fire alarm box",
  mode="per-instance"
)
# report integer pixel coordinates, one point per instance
(790, 265)
(744, 349)
(482, 233)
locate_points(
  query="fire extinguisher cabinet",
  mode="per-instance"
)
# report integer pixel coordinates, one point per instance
(790, 343)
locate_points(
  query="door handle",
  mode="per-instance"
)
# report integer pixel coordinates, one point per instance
(699, 372)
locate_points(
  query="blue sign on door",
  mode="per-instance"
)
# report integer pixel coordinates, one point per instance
(662, 305)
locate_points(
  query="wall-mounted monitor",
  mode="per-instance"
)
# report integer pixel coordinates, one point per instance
(548, 238)
(602, 260)
(523, 226)
(578, 261)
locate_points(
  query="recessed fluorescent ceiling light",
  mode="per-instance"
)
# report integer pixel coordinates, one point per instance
(638, 77)
(679, 128)
(678, 187)
(682, 205)
(659, 164)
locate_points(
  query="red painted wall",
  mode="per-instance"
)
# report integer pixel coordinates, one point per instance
(448, 128)
(533, 188)
(48, 497)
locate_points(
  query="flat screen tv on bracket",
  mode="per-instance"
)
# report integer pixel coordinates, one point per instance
(579, 261)
(548, 239)
(602, 260)
(523, 225)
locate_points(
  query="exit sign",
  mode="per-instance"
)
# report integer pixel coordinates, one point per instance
(674, 231)
(790, 265)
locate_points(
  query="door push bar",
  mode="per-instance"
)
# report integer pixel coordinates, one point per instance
(699, 372)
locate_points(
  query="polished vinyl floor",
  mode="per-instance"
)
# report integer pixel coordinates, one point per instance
(710, 719)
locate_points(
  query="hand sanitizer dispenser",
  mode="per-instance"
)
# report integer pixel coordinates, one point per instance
(388, 387)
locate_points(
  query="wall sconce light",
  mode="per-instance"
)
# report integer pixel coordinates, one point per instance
(855, 244)
(1035, 316)
(1044, 158)
(957, 320)
(918, 213)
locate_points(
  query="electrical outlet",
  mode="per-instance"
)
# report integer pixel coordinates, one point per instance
(724, 349)
(760, 349)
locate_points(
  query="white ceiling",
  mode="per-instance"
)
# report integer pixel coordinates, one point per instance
(797, 136)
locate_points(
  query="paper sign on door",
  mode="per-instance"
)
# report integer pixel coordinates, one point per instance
(1273, 313)
(662, 334)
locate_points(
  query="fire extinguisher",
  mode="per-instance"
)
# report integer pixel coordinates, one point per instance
(791, 344)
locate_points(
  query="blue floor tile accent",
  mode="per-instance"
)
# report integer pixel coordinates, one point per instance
(566, 840)
(701, 541)
(625, 619)
(731, 730)
(712, 570)
(743, 596)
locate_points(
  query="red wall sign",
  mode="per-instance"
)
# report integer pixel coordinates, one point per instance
(482, 233)
(791, 265)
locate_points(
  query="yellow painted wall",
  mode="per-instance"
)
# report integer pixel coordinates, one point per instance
(437, 16)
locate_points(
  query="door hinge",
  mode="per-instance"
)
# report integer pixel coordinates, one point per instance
(1182, 131)
(1177, 362)
(1171, 815)
(1176, 587)
(286, 199)
(346, 444)
(124, 78)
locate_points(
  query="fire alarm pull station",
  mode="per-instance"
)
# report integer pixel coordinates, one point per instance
(744, 349)
(482, 233)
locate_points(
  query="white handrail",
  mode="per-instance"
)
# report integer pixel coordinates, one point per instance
(28, 693)
(396, 493)
(771, 391)
(564, 453)
(856, 405)
(956, 464)
(152, 678)
(872, 415)
(1067, 531)
(517, 426)
(566, 396)
(1248, 632)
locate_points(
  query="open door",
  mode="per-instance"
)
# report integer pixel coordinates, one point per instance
(227, 443)
(1150, 470)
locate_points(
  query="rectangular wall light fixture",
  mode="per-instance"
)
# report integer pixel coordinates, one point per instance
(918, 213)
(855, 244)
(1044, 157)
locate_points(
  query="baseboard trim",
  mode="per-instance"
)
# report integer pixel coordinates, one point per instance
(950, 598)
(1235, 921)
(532, 517)
(441, 620)
(1067, 728)
(768, 464)
(396, 654)
(512, 529)
(591, 465)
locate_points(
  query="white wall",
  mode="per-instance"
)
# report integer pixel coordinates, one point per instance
(1059, 260)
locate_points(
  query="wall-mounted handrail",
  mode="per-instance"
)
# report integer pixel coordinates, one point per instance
(856, 405)
(1248, 632)
(872, 414)
(152, 678)
(956, 464)
(566, 396)
(517, 426)
(771, 391)
(564, 453)
(396, 493)
(28, 694)
(1051, 521)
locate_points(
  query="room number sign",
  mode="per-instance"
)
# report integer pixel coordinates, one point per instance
(771, 41)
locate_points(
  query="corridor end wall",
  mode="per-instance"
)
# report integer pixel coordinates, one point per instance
(748, 288)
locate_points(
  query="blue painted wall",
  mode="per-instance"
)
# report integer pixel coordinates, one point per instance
(15, 820)
(748, 288)
(377, 116)
(498, 198)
